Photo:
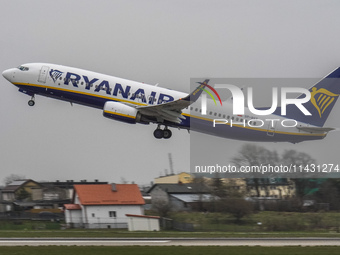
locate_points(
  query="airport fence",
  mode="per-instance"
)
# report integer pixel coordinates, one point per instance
(32, 216)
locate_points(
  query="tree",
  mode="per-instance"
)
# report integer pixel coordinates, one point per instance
(252, 155)
(161, 206)
(302, 185)
(23, 195)
(201, 188)
(218, 187)
(238, 207)
(13, 177)
(329, 193)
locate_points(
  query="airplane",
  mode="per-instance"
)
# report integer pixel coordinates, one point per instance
(134, 102)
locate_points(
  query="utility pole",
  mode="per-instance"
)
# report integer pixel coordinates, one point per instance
(171, 164)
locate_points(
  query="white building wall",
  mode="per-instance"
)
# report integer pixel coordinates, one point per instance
(109, 216)
(74, 218)
(143, 224)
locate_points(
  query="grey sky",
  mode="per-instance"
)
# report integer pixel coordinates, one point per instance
(165, 42)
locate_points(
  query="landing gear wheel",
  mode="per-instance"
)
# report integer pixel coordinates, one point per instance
(158, 133)
(31, 102)
(167, 133)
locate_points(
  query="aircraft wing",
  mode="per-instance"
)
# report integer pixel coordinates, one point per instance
(172, 111)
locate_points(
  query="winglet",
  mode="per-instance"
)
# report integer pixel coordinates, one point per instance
(193, 96)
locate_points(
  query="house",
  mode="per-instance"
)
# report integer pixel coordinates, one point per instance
(175, 178)
(68, 185)
(179, 196)
(103, 205)
(275, 188)
(49, 198)
(19, 190)
(2, 205)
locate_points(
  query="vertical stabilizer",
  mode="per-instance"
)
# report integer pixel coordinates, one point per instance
(324, 95)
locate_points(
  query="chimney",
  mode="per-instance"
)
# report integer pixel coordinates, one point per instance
(113, 187)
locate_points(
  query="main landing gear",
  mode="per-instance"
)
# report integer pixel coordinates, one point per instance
(162, 133)
(31, 102)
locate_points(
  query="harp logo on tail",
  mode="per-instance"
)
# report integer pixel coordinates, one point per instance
(321, 99)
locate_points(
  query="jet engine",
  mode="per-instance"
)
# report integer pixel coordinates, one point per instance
(122, 112)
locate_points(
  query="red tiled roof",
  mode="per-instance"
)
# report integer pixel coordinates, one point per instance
(102, 194)
(72, 207)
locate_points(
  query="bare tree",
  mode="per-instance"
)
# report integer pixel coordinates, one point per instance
(13, 177)
(202, 184)
(162, 206)
(252, 155)
(299, 159)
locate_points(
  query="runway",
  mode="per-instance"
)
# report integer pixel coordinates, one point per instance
(170, 241)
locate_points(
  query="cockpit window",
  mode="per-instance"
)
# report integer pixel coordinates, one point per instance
(23, 68)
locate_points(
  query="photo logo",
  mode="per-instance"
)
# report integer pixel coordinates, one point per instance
(239, 99)
(204, 96)
(252, 121)
(321, 99)
(209, 93)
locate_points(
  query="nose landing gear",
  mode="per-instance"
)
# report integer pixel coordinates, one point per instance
(165, 133)
(31, 102)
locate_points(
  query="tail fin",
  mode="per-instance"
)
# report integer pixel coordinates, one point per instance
(324, 95)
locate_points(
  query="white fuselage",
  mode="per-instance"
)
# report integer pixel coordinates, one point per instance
(95, 89)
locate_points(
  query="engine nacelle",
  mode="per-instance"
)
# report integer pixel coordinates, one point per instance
(122, 112)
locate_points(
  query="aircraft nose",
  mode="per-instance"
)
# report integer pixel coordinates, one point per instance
(8, 74)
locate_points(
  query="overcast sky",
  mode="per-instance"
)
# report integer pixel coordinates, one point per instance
(165, 42)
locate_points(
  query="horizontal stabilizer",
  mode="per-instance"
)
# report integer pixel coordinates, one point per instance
(317, 130)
